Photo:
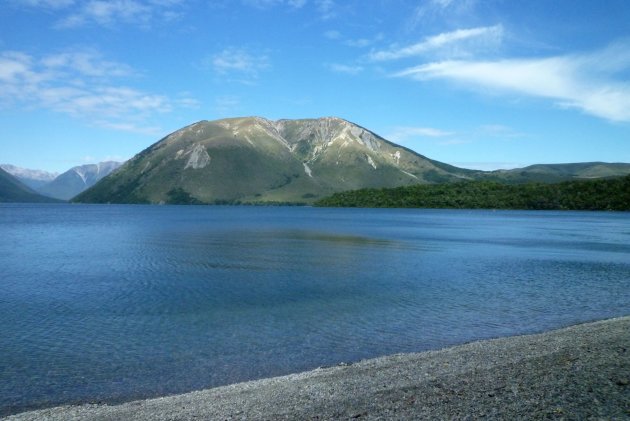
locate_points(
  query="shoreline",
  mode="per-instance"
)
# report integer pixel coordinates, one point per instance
(575, 372)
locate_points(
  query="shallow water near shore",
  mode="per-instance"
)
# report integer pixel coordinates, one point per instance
(109, 303)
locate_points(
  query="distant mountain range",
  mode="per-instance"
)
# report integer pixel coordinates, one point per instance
(61, 186)
(77, 179)
(13, 190)
(32, 178)
(254, 160)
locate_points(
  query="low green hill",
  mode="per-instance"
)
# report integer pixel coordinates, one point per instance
(554, 173)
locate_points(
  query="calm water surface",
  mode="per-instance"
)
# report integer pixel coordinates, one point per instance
(109, 303)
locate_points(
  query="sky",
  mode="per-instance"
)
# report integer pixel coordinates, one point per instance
(484, 84)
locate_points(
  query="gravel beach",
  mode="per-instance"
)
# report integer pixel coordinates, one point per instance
(579, 372)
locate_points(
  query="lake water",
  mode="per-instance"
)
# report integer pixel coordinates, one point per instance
(109, 303)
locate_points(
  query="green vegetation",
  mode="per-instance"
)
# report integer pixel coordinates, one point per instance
(179, 196)
(602, 194)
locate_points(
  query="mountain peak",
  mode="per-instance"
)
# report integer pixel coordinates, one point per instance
(254, 159)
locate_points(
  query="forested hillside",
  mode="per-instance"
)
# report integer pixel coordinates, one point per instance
(603, 194)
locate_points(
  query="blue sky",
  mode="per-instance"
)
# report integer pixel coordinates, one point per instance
(476, 83)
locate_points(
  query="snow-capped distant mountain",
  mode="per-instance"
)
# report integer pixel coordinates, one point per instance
(13, 190)
(32, 178)
(77, 179)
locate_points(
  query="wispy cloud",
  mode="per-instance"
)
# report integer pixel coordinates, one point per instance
(345, 69)
(326, 8)
(363, 42)
(109, 12)
(239, 64)
(86, 63)
(50, 4)
(461, 42)
(129, 128)
(332, 34)
(81, 84)
(401, 134)
(432, 9)
(226, 105)
(186, 100)
(592, 83)
(263, 4)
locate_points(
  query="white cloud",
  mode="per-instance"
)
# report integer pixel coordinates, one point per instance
(14, 65)
(400, 134)
(461, 42)
(346, 69)
(586, 82)
(239, 64)
(432, 9)
(80, 84)
(108, 12)
(264, 4)
(86, 63)
(359, 42)
(129, 128)
(186, 101)
(296, 3)
(363, 42)
(112, 106)
(356, 42)
(326, 9)
(226, 105)
(49, 4)
(332, 34)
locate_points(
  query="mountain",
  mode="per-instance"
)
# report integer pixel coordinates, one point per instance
(13, 190)
(77, 179)
(254, 160)
(32, 178)
(553, 173)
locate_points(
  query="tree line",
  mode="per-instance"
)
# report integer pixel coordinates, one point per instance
(600, 194)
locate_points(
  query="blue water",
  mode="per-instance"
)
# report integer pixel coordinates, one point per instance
(109, 303)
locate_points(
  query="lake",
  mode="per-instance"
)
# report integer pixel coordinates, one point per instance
(103, 303)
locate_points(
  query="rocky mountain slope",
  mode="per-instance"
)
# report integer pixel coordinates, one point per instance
(254, 160)
(77, 179)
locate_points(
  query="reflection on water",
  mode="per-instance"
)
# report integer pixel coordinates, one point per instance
(120, 302)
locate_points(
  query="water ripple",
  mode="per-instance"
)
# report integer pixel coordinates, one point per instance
(121, 302)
